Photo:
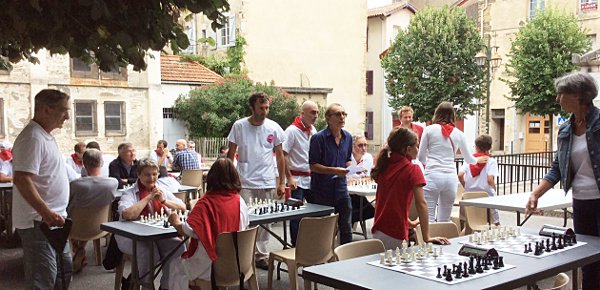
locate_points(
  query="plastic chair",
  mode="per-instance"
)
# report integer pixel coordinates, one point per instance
(359, 249)
(183, 196)
(476, 217)
(193, 177)
(225, 267)
(86, 226)
(560, 281)
(314, 246)
(443, 229)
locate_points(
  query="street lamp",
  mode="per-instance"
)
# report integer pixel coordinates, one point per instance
(491, 60)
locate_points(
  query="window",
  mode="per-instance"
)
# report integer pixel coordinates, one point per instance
(190, 31)
(117, 73)
(168, 113)
(114, 118)
(369, 82)
(369, 133)
(80, 69)
(593, 43)
(85, 118)
(535, 5)
(588, 5)
(227, 33)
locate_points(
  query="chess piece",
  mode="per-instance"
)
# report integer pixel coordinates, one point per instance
(458, 274)
(439, 275)
(478, 267)
(382, 258)
(496, 266)
(548, 245)
(526, 251)
(449, 275)
(464, 271)
(500, 261)
(486, 264)
(560, 244)
(471, 267)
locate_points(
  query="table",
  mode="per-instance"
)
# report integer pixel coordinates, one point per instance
(362, 191)
(357, 274)
(551, 200)
(6, 209)
(143, 233)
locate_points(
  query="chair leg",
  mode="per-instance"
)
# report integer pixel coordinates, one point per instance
(307, 285)
(270, 272)
(119, 274)
(97, 252)
(293, 273)
(253, 282)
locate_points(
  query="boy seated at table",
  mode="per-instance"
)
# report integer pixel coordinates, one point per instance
(481, 176)
(220, 210)
(145, 198)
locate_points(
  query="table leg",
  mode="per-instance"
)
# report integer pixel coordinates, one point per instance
(151, 266)
(564, 217)
(135, 277)
(363, 224)
(574, 279)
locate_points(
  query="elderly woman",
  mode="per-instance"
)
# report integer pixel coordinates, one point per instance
(577, 162)
(145, 198)
(220, 210)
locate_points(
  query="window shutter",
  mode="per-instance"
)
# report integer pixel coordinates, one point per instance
(232, 30)
(369, 126)
(369, 82)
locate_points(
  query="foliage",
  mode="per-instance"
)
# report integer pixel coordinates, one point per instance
(210, 111)
(540, 53)
(433, 61)
(232, 63)
(109, 33)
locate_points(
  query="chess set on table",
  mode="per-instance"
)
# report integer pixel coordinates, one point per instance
(432, 263)
(361, 184)
(511, 240)
(161, 220)
(260, 207)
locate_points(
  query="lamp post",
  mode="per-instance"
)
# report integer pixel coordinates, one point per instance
(491, 60)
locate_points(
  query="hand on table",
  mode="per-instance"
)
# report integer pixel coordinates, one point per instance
(439, 241)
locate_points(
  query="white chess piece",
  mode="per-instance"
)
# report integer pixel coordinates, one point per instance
(382, 258)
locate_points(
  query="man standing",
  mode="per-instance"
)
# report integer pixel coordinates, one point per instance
(329, 155)
(295, 148)
(161, 154)
(255, 138)
(185, 159)
(124, 168)
(41, 191)
(74, 161)
(405, 114)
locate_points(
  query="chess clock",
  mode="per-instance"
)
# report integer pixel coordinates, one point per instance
(550, 230)
(473, 250)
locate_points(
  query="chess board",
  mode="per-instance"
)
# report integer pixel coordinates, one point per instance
(254, 211)
(427, 268)
(156, 224)
(516, 245)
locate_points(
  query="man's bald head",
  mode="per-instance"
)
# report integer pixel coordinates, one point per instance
(309, 113)
(181, 144)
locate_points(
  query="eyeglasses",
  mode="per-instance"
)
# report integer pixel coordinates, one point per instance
(361, 145)
(339, 114)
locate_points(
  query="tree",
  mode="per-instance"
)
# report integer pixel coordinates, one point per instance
(540, 53)
(433, 61)
(210, 111)
(110, 33)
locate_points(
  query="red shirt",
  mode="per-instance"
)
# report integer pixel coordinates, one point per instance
(417, 129)
(394, 196)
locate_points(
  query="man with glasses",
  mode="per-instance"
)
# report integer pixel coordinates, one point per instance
(330, 154)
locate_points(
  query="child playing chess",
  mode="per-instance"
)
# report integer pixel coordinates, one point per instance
(220, 210)
(480, 176)
(398, 182)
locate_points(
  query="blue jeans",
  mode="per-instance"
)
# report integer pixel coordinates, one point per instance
(41, 261)
(298, 193)
(586, 220)
(343, 207)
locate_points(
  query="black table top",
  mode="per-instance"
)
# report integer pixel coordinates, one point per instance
(357, 274)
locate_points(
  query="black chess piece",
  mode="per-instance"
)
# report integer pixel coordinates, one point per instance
(478, 267)
(526, 251)
(560, 244)
(439, 275)
(465, 272)
(495, 266)
(458, 272)
(529, 248)
(542, 248)
(165, 224)
(501, 261)
(574, 239)
(453, 269)
(471, 267)
(486, 264)
(449, 275)
(554, 248)
(548, 245)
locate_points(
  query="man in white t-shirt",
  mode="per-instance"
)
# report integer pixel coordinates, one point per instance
(75, 160)
(41, 191)
(255, 138)
(295, 148)
(161, 154)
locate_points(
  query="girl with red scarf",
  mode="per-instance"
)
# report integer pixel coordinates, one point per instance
(6, 162)
(398, 182)
(142, 199)
(220, 210)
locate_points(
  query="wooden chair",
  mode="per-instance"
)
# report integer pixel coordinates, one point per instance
(476, 217)
(359, 249)
(86, 226)
(225, 267)
(193, 177)
(314, 246)
(443, 229)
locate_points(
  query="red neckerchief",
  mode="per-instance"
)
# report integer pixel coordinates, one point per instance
(215, 213)
(446, 129)
(159, 153)
(6, 154)
(76, 159)
(298, 123)
(156, 205)
(476, 168)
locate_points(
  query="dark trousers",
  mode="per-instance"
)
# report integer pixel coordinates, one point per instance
(343, 207)
(586, 220)
(298, 193)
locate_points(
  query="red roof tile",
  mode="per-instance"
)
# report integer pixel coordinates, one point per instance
(390, 9)
(172, 68)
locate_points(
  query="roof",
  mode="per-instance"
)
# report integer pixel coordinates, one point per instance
(388, 10)
(173, 69)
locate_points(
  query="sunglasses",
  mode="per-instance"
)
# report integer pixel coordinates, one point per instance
(361, 145)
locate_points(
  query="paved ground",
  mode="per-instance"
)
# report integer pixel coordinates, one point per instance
(95, 277)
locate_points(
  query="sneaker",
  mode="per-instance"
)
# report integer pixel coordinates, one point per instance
(262, 264)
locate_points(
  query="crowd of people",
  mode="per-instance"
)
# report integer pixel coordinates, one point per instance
(415, 165)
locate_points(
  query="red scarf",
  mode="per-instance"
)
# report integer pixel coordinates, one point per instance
(156, 204)
(446, 129)
(6, 154)
(159, 153)
(215, 213)
(76, 159)
(476, 168)
(298, 123)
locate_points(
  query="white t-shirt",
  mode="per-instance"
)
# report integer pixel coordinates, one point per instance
(366, 163)
(153, 156)
(71, 163)
(255, 145)
(437, 152)
(6, 167)
(296, 146)
(36, 152)
(584, 181)
(480, 182)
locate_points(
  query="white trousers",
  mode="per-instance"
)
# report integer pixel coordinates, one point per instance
(262, 238)
(440, 192)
